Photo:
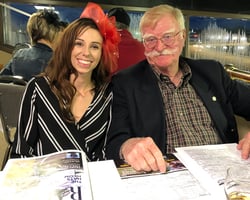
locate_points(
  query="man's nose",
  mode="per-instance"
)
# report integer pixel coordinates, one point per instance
(159, 45)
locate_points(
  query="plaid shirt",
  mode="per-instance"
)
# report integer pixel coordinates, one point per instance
(187, 120)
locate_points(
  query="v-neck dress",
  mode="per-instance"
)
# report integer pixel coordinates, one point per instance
(41, 128)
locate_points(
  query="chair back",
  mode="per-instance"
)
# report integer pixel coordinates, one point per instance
(18, 80)
(10, 99)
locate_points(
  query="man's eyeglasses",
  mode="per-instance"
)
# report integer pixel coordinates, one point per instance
(167, 39)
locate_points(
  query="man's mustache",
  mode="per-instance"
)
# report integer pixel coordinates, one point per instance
(161, 53)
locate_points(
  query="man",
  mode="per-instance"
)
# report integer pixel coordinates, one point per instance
(131, 51)
(170, 101)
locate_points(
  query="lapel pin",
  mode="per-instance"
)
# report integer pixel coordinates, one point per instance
(213, 98)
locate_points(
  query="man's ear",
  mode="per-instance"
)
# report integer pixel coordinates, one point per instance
(184, 34)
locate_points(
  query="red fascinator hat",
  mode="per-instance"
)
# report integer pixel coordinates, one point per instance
(111, 37)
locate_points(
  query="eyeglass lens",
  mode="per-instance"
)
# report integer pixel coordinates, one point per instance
(167, 39)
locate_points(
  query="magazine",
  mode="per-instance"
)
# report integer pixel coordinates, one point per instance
(62, 175)
(176, 184)
(174, 164)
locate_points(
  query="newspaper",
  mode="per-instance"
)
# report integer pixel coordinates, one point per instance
(209, 163)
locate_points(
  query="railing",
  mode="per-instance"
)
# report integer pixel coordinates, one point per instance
(236, 73)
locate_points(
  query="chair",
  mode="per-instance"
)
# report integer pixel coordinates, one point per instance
(18, 80)
(10, 99)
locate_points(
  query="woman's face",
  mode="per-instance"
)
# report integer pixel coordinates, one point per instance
(87, 51)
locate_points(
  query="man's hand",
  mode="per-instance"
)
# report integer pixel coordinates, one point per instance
(143, 155)
(244, 146)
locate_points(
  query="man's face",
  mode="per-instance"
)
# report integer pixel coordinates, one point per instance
(164, 42)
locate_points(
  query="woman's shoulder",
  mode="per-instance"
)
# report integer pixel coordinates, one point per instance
(33, 53)
(38, 81)
(39, 87)
(105, 88)
(22, 53)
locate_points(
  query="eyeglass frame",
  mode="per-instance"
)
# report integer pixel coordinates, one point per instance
(170, 36)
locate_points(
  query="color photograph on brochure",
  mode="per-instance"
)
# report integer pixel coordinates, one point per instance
(174, 164)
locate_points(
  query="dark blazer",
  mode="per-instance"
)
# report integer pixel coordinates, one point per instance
(138, 106)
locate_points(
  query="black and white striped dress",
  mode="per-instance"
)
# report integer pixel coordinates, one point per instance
(42, 130)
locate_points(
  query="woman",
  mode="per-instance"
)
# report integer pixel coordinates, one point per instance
(43, 27)
(68, 106)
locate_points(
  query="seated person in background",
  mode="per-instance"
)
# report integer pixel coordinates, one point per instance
(131, 51)
(170, 101)
(69, 105)
(43, 28)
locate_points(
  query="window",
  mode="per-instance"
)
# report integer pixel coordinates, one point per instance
(223, 38)
(17, 14)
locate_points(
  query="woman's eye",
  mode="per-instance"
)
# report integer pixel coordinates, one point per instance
(79, 44)
(94, 46)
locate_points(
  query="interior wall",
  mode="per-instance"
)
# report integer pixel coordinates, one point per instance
(4, 57)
